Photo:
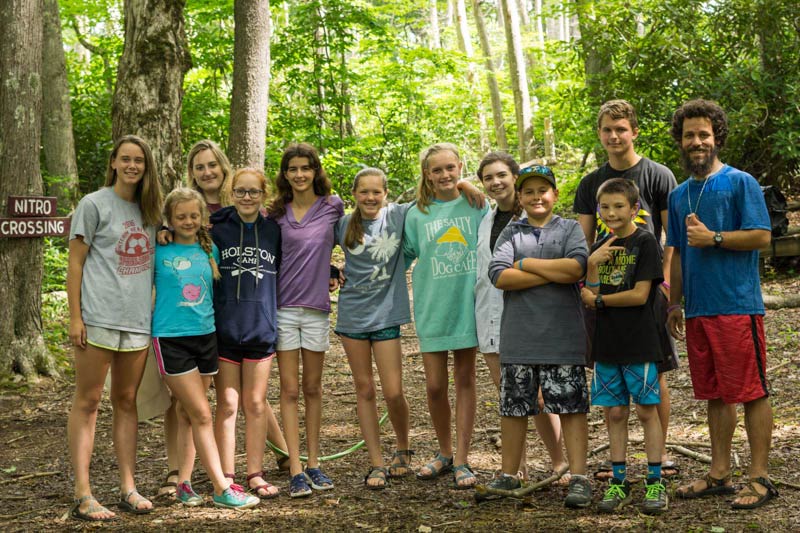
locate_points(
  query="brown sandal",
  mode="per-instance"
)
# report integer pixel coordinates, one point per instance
(170, 486)
(256, 491)
(714, 487)
(750, 491)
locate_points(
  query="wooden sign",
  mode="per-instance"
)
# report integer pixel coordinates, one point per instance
(31, 206)
(33, 216)
(34, 227)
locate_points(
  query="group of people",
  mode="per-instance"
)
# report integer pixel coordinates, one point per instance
(251, 282)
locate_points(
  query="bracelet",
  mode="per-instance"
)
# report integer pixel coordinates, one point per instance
(671, 308)
(589, 284)
(518, 265)
(665, 284)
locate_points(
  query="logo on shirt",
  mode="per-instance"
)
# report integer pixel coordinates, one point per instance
(381, 248)
(133, 250)
(613, 273)
(452, 255)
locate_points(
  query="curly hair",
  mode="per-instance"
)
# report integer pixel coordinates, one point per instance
(700, 108)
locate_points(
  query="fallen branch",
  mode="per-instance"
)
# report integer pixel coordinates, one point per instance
(29, 476)
(703, 458)
(786, 483)
(776, 367)
(17, 515)
(15, 439)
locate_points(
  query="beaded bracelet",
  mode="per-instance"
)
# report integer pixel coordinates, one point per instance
(671, 308)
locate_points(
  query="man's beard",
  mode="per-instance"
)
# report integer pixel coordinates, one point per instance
(700, 168)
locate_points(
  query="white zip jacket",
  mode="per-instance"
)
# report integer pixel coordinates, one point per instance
(488, 298)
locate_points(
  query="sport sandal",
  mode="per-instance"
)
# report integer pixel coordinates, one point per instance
(750, 491)
(434, 471)
(402, 467)
(463, 473)
(376, 472)
(94, 507)
(127, 506)
(714, 487)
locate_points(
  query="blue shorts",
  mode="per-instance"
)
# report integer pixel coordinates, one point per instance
(614, 385)
(385, 334)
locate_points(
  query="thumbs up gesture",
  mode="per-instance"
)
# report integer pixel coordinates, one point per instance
(697, 234)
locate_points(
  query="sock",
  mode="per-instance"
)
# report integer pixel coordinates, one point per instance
(654, 470)
(618, 469)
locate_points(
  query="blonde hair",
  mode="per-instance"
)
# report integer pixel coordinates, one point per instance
(257, 173)
(355, 227)
(185, 194)
(425, 192)
(148, 191)
(221, 158)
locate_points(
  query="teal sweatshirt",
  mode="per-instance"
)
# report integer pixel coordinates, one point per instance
(444, 242)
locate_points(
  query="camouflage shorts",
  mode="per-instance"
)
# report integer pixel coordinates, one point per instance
(563, 389)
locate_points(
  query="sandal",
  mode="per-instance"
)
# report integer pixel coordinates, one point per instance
(168, 488)
(447, 466)
(749, 490)
(403, 465)
(376, 472)
(670, 469)
(466, 474)
(714, 487)
(264, 486)
(604, 471)
(94, 507)
(126, 506)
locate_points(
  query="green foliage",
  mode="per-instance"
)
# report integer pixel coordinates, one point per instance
(56, 257)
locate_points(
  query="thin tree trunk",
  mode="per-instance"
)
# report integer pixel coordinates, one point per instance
(435, 35)
(58, 144)
(491, 78)
(519, 83)
(22, 347)
(465, 44)
(251, 76)
(597, 63)
(149, 91)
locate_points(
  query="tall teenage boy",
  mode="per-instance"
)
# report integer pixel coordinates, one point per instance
(618, 128)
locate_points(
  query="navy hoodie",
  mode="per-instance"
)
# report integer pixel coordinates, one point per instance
(245, 299)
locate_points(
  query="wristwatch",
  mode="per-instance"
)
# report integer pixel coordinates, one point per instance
(717, 239)
(599, 303)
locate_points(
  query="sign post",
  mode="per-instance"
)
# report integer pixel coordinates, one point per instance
(32, 216)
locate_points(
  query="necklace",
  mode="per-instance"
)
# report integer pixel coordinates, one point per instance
(699, 197)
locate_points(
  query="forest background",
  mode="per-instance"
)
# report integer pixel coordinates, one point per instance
(370, 84)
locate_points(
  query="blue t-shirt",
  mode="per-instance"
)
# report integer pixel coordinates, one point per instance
(717, 281)
(184, 291)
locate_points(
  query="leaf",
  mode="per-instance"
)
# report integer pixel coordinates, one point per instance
(424, 529)
(10, 470)
(717, 529)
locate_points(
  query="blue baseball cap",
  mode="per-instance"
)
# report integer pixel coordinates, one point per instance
(531, 170)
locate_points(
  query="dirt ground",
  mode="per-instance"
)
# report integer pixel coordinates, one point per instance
(35, 475)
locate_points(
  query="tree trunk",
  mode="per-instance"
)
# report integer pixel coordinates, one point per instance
(465, 44)
(435, 34)
(491, 78)
(22, 347)
(58, 144)
(250, 98)
(149, 91)
(519, 80)
(597, 60)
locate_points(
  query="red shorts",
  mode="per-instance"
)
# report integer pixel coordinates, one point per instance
(727, 357)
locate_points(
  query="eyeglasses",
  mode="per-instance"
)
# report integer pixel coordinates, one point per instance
(537, 169)
(254, 193)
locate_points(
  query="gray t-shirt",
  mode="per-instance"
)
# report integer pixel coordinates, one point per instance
(541, 325)
(375, 295)
(117, 283)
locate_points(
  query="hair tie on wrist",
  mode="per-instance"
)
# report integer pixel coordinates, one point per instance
(671, 308)
(665, 284)
(589, 284)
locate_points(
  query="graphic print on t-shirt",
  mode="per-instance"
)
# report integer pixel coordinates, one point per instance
(193, 287)
(381, 248)
(247, 260)
(615, 271)
(453, 256)
(133, 249)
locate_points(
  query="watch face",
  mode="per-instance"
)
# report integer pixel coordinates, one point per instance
(718, 238)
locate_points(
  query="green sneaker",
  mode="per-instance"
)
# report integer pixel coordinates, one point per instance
(187, 496)
(617, 496)
(233, 498)
(655, 498)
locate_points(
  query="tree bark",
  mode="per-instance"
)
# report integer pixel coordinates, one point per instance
(597, 60)
(435, 34)
(58, 144)
(149, 91)
(491, 78)
(519, 80)
(22, 347)
(251, 76)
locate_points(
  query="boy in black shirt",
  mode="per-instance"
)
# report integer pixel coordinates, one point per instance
(622, 279)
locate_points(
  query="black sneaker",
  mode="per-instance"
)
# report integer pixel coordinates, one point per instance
(655, 497)
(617, 496)
(580, 493)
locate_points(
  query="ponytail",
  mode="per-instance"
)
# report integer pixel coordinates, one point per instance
(355, 230)
(204, 238)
